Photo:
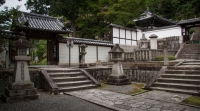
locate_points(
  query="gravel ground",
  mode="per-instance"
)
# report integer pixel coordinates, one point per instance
(48, 102)
(125, 89)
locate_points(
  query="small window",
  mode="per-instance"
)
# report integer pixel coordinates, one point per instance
(22, 51)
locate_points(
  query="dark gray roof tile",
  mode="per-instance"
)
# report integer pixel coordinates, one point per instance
(85, 41)
(188, 21)
(41, 22)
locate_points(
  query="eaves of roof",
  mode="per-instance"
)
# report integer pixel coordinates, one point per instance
(189, 21)
(120, 26)
(85, 41)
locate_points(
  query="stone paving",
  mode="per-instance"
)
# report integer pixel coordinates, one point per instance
(149, 101)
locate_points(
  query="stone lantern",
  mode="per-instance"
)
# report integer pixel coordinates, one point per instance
(82, 56)
(117, 77)
(21, 88)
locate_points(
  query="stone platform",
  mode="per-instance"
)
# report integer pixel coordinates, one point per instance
(150, 101)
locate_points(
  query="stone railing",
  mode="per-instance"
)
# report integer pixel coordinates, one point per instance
(134, 74)
(145, 54)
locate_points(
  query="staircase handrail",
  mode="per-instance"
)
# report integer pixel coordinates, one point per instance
(179, 51)
(91, 77)
(48, 84)
(149, 84)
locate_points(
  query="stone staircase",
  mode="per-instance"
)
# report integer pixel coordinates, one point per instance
(184, 78)
(189, 51)
(64, 80)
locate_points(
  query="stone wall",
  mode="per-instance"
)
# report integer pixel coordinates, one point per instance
(173, 43)
(137, 73)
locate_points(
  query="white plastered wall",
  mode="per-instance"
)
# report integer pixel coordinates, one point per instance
(64, 54)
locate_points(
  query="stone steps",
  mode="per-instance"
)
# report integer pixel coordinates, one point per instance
(71, 74)
(183, 81)
(178, 86)
(180, 79)
(180, 76)
(73, 83)
(187, 72)
(190, 51)
(191, 92)
(70, 80)
(73, 88)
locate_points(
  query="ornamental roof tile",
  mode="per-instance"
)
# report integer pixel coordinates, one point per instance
(41, 22)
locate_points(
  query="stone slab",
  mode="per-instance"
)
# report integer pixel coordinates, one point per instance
(21, 85)
(12, 93)
(15, 99)
(150, 101)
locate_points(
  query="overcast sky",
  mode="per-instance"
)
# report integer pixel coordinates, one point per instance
(14, 3)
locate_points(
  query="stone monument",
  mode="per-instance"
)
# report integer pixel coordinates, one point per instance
(144, 43)
(21, 88)
(117, 77)
(153, 41)
(82, 54)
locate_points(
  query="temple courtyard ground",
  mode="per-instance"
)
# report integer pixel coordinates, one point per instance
(108, 98)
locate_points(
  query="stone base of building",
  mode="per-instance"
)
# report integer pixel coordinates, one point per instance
(83, 66)
(118, 80)
(19, 91)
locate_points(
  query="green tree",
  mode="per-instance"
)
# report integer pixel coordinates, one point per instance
(38, 6)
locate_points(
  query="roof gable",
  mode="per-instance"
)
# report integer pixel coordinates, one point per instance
(40, 22)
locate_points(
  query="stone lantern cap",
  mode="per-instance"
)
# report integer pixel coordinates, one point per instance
(22, 42)
(116, 49)
(83, 45)
(153, 36)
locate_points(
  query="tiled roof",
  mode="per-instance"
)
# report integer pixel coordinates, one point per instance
(147, 15)
(119, 26)
(41, 22)
(85, 41)
(188, 21)
(159, 28)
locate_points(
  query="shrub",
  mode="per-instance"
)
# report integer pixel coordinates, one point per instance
(171, 57)
(44, 62)
(161, 58)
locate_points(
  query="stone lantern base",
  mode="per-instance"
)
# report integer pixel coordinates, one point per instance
(118, 80)
(20, 91)
(83, 66)
(117, 77)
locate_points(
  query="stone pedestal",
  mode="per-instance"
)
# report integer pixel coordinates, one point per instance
(117, 77)
(22, 89)
(153, 41)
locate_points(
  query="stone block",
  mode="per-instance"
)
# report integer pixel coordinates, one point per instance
(15, 99)
(21, 85)
(12, 93)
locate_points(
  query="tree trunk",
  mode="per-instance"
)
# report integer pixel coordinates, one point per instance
(73, 28)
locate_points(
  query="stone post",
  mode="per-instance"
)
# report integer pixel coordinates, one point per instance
(83, 52)
(1, 50)
(21, 88)
(153, 41)
(166, 59)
